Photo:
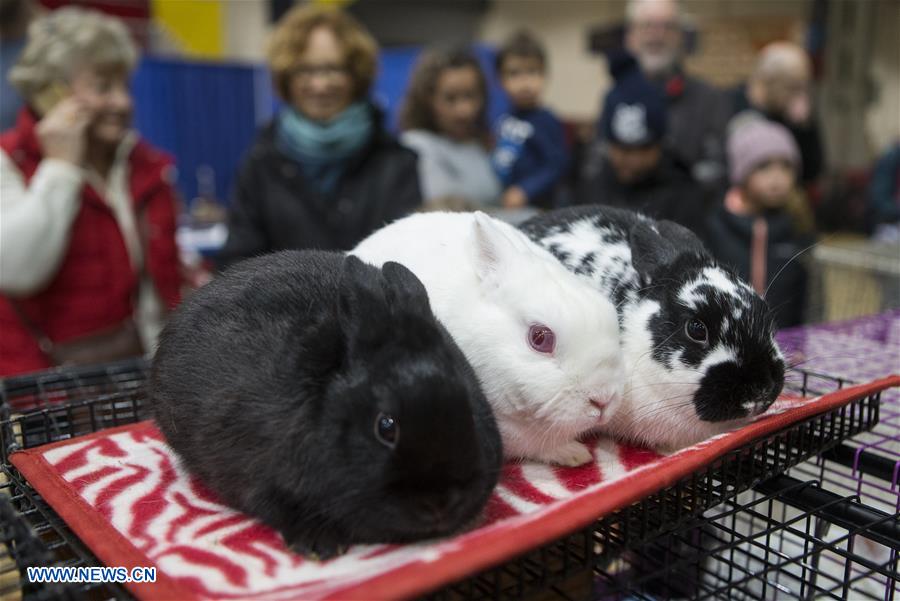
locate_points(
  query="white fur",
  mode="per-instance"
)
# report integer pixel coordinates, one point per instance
(580, 240)
(657, 407)
(612, 264)
(714, 277)
(776, 350)
(720, 354)
(488, 283)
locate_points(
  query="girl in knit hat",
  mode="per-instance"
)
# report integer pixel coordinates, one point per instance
(759, 229)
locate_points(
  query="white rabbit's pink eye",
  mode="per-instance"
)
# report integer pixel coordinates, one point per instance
(541, 338)
(387, 431)
(696, 330)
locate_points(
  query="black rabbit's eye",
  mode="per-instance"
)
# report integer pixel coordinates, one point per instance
(386, 430)
(696, 330)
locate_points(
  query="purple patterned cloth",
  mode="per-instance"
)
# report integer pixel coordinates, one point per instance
(858, 350)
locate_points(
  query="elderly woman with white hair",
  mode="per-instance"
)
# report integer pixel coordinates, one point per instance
(88, 260)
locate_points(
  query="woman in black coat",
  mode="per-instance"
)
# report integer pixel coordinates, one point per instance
(324, 174)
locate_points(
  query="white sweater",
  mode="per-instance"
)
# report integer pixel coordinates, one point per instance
(36, 220)
(453, 169)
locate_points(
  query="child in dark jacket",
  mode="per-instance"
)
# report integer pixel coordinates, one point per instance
(757, 229)
(629, 164)
(531, 156)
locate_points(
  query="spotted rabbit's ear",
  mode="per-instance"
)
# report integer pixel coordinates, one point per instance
(657, 244)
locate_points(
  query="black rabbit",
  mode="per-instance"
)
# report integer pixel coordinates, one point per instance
(321, 395)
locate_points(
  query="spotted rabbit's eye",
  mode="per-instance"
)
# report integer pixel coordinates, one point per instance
(387, 431)
(541, 338)
(696, 330)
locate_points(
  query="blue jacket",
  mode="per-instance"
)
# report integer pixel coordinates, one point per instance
(531, 152)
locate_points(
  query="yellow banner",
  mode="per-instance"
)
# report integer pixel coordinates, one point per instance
(196, 26)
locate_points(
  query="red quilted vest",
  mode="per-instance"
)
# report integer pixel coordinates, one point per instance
(95, 286)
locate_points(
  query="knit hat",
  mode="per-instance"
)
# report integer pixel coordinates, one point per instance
(757, 141)
(634, 112)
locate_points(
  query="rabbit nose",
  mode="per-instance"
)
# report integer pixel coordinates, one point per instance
(764, 399)
(598, 409)
(598, 402)
(769, 396)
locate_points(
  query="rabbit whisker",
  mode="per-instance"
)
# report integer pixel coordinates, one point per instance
(643, 356)
(654, 411)
(669, 383)
(791, 260)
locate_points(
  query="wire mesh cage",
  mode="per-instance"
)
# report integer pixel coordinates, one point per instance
(67, 402)
(592, 562)
(867, 466)
(661, 547)
(788, 539)
(32, 535)
(597, 563)
(20, 548)
(41, 408)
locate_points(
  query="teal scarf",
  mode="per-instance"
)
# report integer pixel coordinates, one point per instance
(324, 149)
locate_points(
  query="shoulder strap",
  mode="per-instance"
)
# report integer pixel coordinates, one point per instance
(44, 342)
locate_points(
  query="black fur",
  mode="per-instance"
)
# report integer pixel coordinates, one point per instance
(660, 259)
(758, 376)
(268, 382)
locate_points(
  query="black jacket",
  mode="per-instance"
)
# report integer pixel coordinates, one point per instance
(697, 117)
(668, 192)
(729, 239)
(274, 207)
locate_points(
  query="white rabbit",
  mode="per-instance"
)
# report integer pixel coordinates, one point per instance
(543, 343)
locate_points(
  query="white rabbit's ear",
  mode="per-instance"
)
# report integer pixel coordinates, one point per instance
(495, 253)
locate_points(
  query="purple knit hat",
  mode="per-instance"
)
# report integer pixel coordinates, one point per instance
(756, 141)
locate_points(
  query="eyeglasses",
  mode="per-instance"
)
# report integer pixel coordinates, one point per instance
(332, 71)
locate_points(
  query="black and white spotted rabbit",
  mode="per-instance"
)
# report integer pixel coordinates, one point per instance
(698, 343)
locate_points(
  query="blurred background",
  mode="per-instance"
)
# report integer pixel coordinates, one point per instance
(202, 88)
(202, 91)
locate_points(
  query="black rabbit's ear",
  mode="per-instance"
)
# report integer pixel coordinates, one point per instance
(404, 289)
(657, 244)
(362, 306)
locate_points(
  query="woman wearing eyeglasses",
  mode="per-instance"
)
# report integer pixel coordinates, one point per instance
(324, 174)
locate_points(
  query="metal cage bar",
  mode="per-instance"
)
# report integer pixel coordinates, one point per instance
(670, 543)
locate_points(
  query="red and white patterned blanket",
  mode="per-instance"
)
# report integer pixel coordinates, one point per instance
(123, 492)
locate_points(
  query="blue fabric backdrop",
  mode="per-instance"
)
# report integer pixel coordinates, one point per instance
(207, 114)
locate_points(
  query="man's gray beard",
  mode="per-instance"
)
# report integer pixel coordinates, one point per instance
(658, 66)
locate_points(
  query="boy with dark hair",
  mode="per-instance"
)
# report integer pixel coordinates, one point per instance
(531, 155)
